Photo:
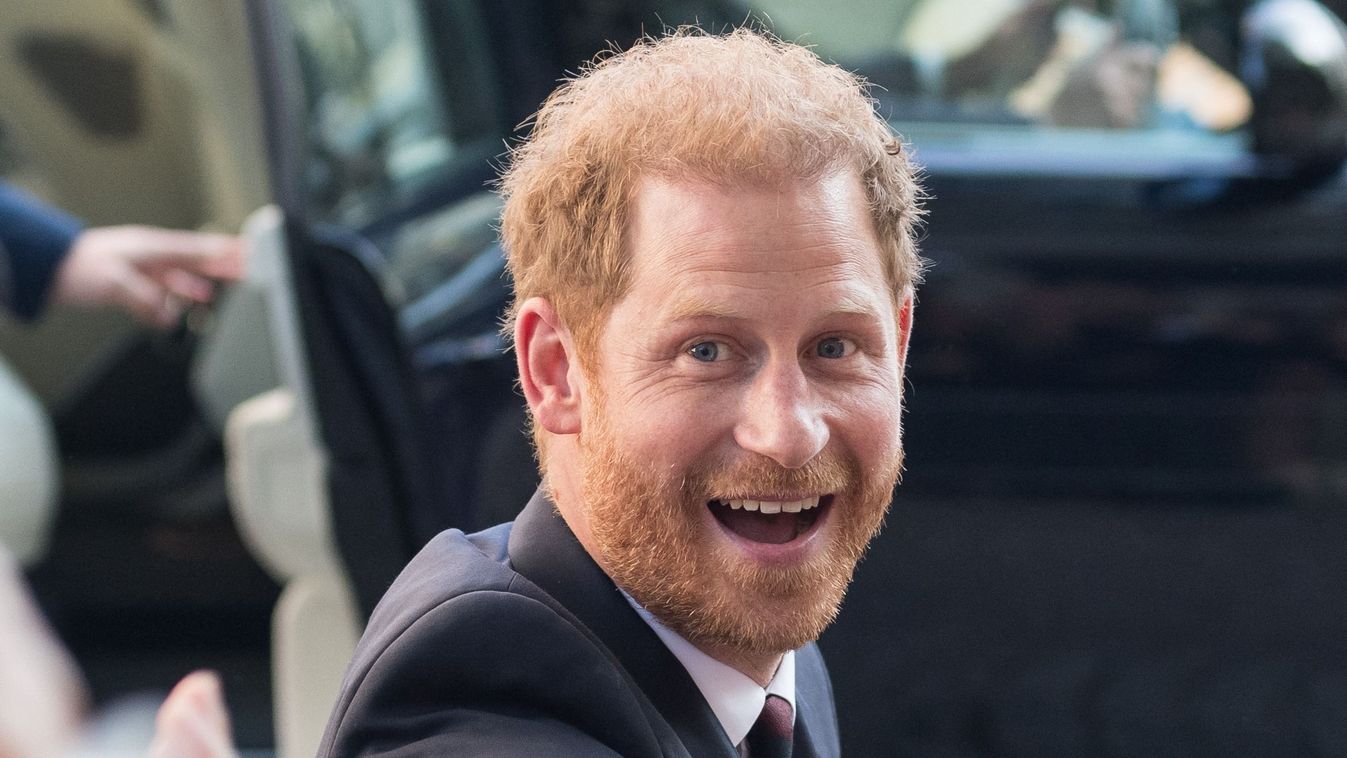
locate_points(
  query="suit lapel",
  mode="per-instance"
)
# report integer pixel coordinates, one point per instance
(544, 551)
(816, 716)
(803, 746)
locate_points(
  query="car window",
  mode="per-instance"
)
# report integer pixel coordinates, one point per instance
(382, 126)
(1053, 86)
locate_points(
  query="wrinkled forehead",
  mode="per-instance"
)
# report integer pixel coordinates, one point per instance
(702, 249)
(786, 226)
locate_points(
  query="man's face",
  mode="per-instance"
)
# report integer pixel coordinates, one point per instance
(740, 437)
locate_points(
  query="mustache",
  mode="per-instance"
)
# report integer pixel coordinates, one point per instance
(761, 476)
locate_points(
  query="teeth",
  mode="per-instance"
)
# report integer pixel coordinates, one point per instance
(773, 506)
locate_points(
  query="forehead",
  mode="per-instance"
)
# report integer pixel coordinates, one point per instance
(690, 236)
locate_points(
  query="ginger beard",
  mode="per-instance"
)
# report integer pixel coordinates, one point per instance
(652, 534)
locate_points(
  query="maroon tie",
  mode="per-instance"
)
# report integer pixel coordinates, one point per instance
(771, 734)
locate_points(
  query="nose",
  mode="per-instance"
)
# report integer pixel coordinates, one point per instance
(780, 418)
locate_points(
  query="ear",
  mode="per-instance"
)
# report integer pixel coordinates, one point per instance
(546, 355)
(904, 326)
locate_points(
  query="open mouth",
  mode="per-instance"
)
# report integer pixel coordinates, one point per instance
(772, 522)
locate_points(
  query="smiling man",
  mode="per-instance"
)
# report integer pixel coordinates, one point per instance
(711, 243)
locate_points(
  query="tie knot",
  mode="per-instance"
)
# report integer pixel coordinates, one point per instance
(774, 730)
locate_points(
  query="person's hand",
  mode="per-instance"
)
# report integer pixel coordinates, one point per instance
(193, 722)
(42, 696)
(153, 273)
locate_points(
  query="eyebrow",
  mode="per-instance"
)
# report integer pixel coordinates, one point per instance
(693, 307)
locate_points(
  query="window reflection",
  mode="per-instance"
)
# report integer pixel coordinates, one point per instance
(377, 127)
(1130, 64)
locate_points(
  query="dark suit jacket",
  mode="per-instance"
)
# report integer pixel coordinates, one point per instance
(34, 239)
(513, 642)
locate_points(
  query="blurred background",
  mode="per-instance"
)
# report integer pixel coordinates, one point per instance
(1121, 528)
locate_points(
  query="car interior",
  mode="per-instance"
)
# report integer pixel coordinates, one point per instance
(135, 112)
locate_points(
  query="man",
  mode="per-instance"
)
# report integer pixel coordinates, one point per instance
(150, 272)
(711, 243)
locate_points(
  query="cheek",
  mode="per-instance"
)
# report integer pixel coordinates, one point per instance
(869, 419)
(674, 428)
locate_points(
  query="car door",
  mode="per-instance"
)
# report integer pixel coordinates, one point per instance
(371, 297)
(383, 120)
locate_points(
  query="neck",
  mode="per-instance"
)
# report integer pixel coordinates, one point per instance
(760, 667)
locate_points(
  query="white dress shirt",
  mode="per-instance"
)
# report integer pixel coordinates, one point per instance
(736, 699)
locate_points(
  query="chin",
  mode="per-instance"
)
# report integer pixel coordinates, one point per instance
(749, 609)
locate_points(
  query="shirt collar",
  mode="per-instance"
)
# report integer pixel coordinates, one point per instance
(736, 699)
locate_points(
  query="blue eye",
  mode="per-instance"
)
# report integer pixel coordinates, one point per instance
(706, 352)
(832, 347)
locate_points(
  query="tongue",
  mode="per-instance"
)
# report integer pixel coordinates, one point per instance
(775, 529)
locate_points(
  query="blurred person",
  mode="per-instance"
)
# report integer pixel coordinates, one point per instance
(48, 256)
(44, 701)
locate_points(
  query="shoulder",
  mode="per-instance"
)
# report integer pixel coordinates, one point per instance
(465, 655)
(450, 565)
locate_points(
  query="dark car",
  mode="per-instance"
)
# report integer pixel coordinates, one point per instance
(1120, 528)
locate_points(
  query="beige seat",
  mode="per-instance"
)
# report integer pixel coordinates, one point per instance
(28, 475)
(276, 467)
